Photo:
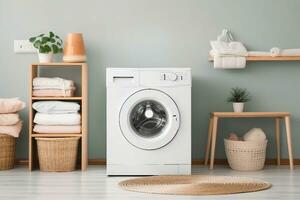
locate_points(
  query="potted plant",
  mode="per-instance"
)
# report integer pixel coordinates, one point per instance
(47, 45)
(238, 96)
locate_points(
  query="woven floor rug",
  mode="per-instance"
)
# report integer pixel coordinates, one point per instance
(194, 185)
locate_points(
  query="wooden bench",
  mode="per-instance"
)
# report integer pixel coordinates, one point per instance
(213, 126)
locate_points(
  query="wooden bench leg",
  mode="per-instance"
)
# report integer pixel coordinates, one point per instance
(277, 136)
(213, 142)
(208, 141)
(289, 140)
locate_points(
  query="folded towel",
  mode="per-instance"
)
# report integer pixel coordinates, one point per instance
(9, 119)
(53, 93)
(57, 119)
(13, 130)
(11, 105)
(235, 62)
(54, 88)
(54, 83)
(275, 51)
(56, 107)
(57, 129)
(228, 48)
(259, 53)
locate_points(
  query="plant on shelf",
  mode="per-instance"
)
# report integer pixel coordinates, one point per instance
(47, 45)
(238, 96)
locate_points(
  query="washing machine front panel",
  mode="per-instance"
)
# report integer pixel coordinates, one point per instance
(149, 119)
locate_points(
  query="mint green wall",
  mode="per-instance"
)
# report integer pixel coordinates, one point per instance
(166, 33)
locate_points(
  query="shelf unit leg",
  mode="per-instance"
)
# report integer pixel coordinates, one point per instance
(289, 140)
(213, 142)
(277, 137)
(208, 141)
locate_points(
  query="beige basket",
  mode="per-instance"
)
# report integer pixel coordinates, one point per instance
(245, 155)
(57, 154)
(7, 152)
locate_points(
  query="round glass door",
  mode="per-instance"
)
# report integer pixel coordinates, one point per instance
(149, 119)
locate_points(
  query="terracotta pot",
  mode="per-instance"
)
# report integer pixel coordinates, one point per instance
(74, 50)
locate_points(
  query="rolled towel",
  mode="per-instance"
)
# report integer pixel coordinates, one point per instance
(275, 51)
(57, 119)
(259, 53)
(255, 135)
(234, 62)
(290, 52)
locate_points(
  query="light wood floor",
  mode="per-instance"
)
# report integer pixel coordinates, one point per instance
(19, 183)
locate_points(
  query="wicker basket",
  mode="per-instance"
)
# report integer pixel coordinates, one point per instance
(57, 154)
(7, 152)
(245, 155)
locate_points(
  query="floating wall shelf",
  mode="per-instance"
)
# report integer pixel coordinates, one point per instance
(268, 58)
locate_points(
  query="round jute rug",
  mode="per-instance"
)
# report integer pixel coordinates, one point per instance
(194, 185)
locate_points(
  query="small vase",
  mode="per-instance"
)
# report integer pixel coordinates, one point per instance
(45, 57)
(74, 50)
(238, 107)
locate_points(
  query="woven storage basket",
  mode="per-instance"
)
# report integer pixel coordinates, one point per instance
(245, 155)
(57, 154)
(7, 152)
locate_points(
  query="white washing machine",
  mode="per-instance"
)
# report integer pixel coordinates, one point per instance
(148, 121)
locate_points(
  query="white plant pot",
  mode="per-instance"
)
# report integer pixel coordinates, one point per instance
(45, 57)
(238, 107)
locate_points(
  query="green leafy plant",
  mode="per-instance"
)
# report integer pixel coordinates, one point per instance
(46, 43)
(238, 95)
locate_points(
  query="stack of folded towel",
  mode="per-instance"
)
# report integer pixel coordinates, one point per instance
(57, 117)
(10, 123)
(228, 54)
(43, 86)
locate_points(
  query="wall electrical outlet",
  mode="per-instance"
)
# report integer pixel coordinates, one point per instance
(23, 46)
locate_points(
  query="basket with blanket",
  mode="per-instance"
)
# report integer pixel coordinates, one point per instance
(10, 128)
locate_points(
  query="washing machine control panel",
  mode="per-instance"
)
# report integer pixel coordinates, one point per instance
(148, 77)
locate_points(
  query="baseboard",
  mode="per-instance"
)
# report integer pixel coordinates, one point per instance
(194, 162)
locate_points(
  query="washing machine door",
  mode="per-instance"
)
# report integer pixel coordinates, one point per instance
(149, 119)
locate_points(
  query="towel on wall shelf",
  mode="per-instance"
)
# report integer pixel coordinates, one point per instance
(229, 62)
(275, 51)
(228, 48)
(57, 119)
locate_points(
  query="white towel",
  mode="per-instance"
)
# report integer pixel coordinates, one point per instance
(290, 52)
(57, 119)
(228, 48)
(52, 83)
(56, 107)
(275, 51)
(259, 53)
(234, 62)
